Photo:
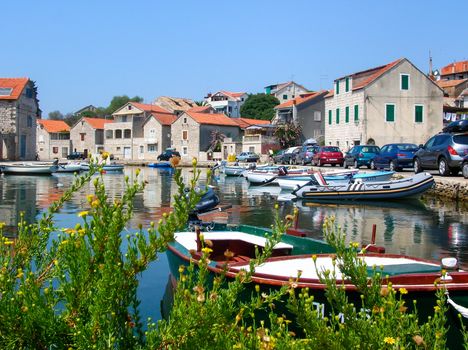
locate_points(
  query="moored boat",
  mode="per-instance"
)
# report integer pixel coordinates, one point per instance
(410, 187)
(160, 165)
(29, 168)
(69, 167)
(112, 167)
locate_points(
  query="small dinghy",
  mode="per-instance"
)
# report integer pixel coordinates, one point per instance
(70, 167)
(29, 168)
(160, 165)
(268, 175)
(319, 189)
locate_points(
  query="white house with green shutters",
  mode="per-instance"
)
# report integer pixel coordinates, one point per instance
(388, 104)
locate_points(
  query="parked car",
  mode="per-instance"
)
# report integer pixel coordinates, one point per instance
(360, 155)
(457, 126)
(76, 155)
(168, 154)
(278, 156)
(289, 157)
(464, 167)
(395, 156)
(328, 155)
(247, 157)
(444, 152)
(305, 154)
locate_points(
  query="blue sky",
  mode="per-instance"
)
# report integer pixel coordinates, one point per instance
(87, 51)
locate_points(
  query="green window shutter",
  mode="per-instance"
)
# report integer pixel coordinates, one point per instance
(347, 114)
(347, 84)
(418, 114)
(405, 82)
(390, 113)
(337, 87)
(285, 97)
(329, 117)
(356, 113)
(337, 116)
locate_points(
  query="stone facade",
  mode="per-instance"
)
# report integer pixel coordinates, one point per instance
(18, 114)
(371, 100)
(285, 91)
(52, 145)
(87, 137)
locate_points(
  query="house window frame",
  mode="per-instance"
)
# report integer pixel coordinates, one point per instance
(401, 81)
(356, 113)
(416, 105)
(347, 84)
(55, 150)
(337, 116)
(185, 135)
(152, 147)
(330, 117)
(184, 151)
(347, 114)
(285, 97)
(82, 136)
(337, 87)
(386, 112)
(317, 116)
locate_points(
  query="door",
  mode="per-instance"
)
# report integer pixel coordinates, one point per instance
(141, 152)
(23, 146)
(349, 156)
(425, 154)
(127, 153)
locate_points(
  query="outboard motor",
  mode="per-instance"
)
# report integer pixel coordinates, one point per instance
(207, 202)
(252, 166)
(282, 171)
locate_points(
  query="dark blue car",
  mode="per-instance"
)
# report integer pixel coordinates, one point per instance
(395, 156)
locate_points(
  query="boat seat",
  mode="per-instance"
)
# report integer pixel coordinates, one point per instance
(240, 258)
(402, 269)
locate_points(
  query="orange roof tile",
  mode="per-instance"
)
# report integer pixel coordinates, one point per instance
(212, 119)
(455, 67)
(54, 125)
(246, 122)
(97, 123)
(164, 118)
(301, 99)
(450, 83)
(364, 78)
(16, 84)
(235, 95)
(200, 109)
(150, 108)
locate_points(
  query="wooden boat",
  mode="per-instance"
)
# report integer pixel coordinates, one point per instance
(410, 187)
(69, 167)
(290, 183)
(293, 255)
(29, 168)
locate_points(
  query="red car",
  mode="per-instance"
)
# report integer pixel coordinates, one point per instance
(328, 155)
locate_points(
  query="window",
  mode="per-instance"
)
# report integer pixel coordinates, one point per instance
(124, 118)
(41, 138)
(329, 117)
(118, 134)
(184, 151)
(55, 150)
(109, 134)
(184, 135)
(405, 81)
(5, 91)
(152, 133)
(347, 84)
(64, 152)
(347, 114)
(29, 92)
(389, 112)
(356, 113)
(152, 148)
(337, 87)
(82, 136)
(337, 116)
(127, 133)
(118, 149)
(185, 120)
(317, 116)
(418, 113)
(29, 121)
(285, 97)
(142, 149)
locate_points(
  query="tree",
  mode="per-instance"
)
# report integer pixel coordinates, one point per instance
(259, 106)
(217, 137)
(56, 115)
(288, 135)
(201, 103)
(119, 101)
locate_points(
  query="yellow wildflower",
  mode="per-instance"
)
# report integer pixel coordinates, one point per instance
(403, 291)
(207, 250)
(105, 155)
(90, 198)
(2, 225)
(83, 214)
(8, 242)
(389, 340)
(257, 288)
(194, 161)
(436, 308)
(95, 203)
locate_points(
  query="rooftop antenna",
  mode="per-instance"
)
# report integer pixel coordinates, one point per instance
(430, 64)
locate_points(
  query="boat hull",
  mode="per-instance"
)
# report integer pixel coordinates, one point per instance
(234, 170)
(29, 169)
(160, 165)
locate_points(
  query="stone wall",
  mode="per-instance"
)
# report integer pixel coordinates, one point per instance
(454, 191)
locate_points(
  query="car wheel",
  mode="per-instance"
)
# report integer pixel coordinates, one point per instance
(443, 167)
(392, 166)
(465, 170)
(356, 164)
(372, 165)
(417, 166)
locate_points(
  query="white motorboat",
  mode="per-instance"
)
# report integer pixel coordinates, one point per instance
(111, 167)
(29, 168)
(69, 167)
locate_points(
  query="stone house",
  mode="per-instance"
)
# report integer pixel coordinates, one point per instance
(139, 131)
(307, 111)
(192, 132)
(455, 107)
(53, 139)
(19, 110)
(87, 135)
(226, 102)
(391, 103)
(285, 91)
(175, 105)
(455, 71)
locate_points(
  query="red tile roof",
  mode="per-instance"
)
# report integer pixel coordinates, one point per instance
(16, 84)
(235, 95)
(246, 122)
(97, 123)
(54, 125)
(212, 119)
(200, 109)
(164, 118)
(364, 78)
(301, 99)
(150, 108)
(450, 83)
(455, 67)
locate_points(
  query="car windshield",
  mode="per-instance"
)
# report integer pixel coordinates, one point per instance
(370, 149)
(331, 149)
(407, 147)
(310, 149)
(461, 139)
